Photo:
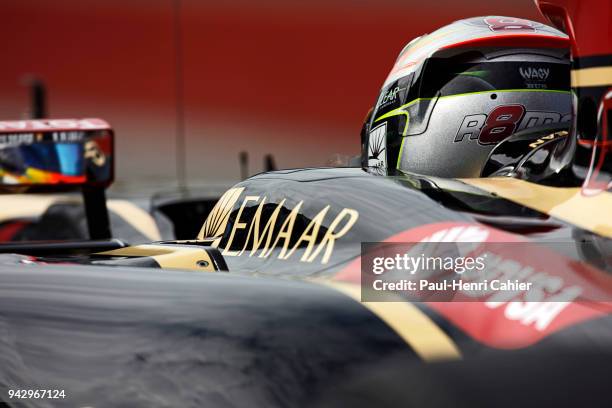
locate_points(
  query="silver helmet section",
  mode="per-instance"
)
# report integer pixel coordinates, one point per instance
(449, 110)
(462, 129)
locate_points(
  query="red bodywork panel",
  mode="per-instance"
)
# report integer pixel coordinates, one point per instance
(587, 22)
(589, 26)
(516, 323)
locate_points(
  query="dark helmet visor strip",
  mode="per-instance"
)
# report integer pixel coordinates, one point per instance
(441, 78)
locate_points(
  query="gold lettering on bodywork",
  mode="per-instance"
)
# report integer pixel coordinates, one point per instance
(309, 235)
(331, 235)
(261, 230)
(268, 231)
(542, 140)
(285, 232)
(238, 225)
(216, 222)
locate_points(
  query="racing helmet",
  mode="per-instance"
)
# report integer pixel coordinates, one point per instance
(454, 94)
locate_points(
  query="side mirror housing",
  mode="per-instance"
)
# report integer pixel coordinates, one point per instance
(55, 155)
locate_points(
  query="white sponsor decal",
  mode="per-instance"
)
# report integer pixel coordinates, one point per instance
(53, 124)
(377, 146)
(459, 234)
(548, 294)
(531, 73)
(390, 96)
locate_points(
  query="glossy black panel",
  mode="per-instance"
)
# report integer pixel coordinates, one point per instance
(144, 337)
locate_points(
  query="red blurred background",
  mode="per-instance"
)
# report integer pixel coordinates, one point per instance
(285, 77)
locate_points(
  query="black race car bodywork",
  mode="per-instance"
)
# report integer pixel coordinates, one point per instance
(113, 334)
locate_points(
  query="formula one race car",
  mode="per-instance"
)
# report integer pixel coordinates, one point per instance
(297, 290)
